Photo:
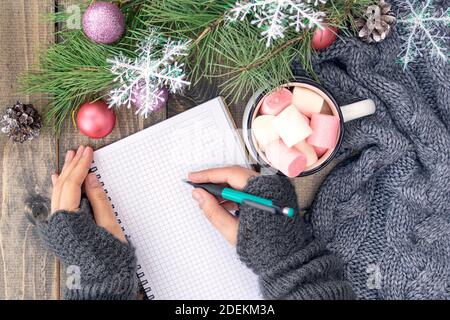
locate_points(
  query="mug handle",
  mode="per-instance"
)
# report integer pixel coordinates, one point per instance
(358, 110)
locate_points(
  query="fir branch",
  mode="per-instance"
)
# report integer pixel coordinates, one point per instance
(207, 30)
(274, 53)
(182, 18)
(240, 62)
(76, 70)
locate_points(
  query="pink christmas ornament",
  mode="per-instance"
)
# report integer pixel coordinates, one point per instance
(323, 38)
(103, 22)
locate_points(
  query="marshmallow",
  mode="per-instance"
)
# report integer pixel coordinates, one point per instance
(291, 126)
(263, 130)
(307, 101)
(325, 131)
(308, 151)
(276, 101)
(320, 151)
(290, 161)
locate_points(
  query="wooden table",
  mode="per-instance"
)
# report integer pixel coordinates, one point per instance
(27, 270)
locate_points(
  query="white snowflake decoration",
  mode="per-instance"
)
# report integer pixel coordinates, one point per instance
(275, 16)
(421, 29)
(146, 74)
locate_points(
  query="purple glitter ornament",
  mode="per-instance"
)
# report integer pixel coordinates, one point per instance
(103, 22)
(160, 102)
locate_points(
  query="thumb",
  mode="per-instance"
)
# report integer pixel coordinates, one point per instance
(103, 212)
(220, 218)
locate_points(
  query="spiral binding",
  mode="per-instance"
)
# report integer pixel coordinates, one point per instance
(144, 285)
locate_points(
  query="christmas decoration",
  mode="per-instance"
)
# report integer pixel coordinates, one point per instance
(424, 30)
(275, 16)
(230, 53)
(95, 120)
(151, 70)
(377, 22)
(139, 96)
(103, 22)
(21, 122)
(323, 37)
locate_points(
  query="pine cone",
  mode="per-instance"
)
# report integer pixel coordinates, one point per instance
(377, 22)
(21, 122)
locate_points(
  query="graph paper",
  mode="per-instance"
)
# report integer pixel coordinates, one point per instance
(180, 255)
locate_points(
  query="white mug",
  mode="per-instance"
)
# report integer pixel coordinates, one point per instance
(345, 113)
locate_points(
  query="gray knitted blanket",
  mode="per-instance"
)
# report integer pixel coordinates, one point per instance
(386, 210)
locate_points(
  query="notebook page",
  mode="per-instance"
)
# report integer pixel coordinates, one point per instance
(180, 253)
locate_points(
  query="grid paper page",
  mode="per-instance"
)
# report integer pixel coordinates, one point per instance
(181, 254)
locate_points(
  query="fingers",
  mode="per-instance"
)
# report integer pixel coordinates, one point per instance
(235, 176)
(219, 217)
(66, 193)
(79, 166)
(229, 205)
(69, 157)
(70, 162)
(57, 185)
(67, 190)
(103, 212)
(71, 182)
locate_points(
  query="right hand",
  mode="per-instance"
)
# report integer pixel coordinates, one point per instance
(217, 211)
(67, 191)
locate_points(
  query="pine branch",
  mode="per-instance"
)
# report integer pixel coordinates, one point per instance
(76, 70)
(273, 53)
(207, 30)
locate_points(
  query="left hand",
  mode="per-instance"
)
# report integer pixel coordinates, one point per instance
(67, 191)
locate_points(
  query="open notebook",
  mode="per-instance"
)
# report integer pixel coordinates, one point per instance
(180, 255)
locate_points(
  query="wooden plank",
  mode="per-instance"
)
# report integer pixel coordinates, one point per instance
(27, 270)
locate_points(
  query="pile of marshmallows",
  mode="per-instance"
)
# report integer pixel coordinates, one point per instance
(295, 129)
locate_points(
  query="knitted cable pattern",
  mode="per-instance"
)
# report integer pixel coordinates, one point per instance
(107, 267)
(386, 210)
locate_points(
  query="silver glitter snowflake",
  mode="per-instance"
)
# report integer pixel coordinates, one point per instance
(424, 30)
(276, 16)
(152, 69)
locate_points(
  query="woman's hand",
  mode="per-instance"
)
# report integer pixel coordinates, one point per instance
(215, 210)
(67, 190)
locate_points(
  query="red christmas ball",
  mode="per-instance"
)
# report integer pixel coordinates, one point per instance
(323, 38)
(96, 120)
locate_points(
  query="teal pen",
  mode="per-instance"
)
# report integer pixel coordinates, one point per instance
(243, 198)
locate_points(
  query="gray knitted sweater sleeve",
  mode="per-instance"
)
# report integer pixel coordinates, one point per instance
(99, 265)
(290, 264)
